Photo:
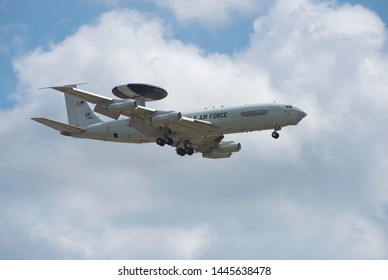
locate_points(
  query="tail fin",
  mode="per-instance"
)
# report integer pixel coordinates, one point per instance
(79, 113)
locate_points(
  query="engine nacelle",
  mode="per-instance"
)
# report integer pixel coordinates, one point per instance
(122, 105)
(169, 117)
(227, 147)
(215, 155)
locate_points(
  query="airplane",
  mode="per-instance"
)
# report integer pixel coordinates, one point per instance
(193, 132)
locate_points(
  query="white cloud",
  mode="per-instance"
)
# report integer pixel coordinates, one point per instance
(360, 238)
(208, 13)
(298, 197)
(106, 242)
(213, 13)
(318, 57)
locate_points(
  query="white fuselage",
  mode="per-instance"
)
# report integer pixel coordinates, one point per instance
(237, 119)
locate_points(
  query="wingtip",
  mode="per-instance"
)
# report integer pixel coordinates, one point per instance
(75, 85)
(69, 85)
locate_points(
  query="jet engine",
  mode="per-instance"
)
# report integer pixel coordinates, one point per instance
(215, 155)
(227, 147)
(169, 117)
(122, 105)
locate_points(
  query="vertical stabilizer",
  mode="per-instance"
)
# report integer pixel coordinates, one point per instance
(79, 112)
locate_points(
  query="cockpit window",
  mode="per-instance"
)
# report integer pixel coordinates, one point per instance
(288, 106)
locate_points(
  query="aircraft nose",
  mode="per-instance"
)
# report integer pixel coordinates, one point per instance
(301, 114)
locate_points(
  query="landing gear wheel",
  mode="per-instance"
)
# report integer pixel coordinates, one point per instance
(160, 142)
(180, 151)
(275, 135)
(189, 151)
(168, 141)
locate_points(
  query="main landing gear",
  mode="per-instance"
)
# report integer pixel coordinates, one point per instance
(180, 151)
(186, 151)
(161, 142)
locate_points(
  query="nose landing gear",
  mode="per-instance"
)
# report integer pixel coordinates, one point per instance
(275, 134)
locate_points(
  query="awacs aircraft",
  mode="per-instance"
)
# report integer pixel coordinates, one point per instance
(199, 131)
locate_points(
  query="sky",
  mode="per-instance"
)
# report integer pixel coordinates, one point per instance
(320, 191)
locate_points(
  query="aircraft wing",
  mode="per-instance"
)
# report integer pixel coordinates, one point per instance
(189, 126)
(205, 143)
(197, 124)
(180, 127)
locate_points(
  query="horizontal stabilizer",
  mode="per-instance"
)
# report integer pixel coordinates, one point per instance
(65, 129)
